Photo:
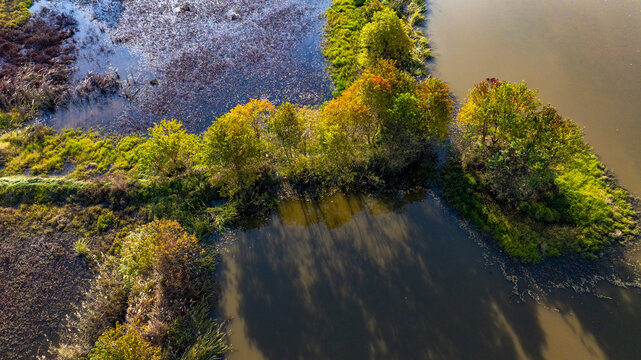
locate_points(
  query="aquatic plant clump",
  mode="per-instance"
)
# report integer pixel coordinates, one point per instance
(35, 66)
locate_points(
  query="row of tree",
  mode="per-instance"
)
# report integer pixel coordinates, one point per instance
(385, 117)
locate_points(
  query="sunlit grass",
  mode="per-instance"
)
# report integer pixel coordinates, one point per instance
(14, 13)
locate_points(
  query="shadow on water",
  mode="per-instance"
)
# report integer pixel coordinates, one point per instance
(355, 277)
(360, 278)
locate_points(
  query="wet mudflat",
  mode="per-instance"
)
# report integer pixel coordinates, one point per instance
(192, 60)
(584, 56)
(355, 277)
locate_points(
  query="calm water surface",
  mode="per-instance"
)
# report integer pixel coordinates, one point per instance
(354, 277)
(583, 55)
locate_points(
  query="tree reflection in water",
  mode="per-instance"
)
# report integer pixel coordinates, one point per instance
(355, 277)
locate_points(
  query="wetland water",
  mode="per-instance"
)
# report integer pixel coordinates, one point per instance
(192, 60)
(355, 277)
(584, 56)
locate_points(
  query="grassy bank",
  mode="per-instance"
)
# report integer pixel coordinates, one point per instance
(351, 31)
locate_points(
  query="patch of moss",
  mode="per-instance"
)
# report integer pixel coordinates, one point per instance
(14, 13)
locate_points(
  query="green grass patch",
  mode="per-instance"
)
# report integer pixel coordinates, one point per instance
(14, 13)
(71, 152)
(16, 190)
(345, 20)
(586, 214)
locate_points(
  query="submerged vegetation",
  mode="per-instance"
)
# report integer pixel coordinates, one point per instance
(35, 64)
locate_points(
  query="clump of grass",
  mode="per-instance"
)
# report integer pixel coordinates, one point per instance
(209, 346)
(14, 13)
(105, 220)
(124, 342)
(197, 336)
(81, 248)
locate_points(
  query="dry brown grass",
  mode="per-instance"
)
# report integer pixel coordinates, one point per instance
(35, 64)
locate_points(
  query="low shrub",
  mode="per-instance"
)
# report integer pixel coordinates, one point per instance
(124, 342)
(14, 13)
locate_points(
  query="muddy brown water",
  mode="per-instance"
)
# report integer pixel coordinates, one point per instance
(355, 277)
(584, 56)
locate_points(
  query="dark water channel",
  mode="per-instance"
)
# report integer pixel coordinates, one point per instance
(355, 277)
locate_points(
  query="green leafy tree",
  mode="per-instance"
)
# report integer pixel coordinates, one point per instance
(287, 125)
(386, 37)
(336, 145)
(402, 121)
(512, 143)
(233, 146)
(435, 105)
(169, 150)
(363, 107)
